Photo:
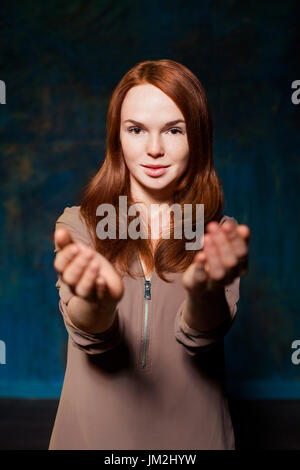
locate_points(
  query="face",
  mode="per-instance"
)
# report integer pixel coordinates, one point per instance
(153, 132)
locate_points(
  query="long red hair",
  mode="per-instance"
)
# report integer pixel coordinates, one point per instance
(199, 184)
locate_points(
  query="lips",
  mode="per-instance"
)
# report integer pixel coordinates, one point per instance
(155, 166)
(155, 170)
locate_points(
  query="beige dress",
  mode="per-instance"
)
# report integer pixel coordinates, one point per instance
(149, 381)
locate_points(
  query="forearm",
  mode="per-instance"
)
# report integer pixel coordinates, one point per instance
(206, 312)
(91, 317)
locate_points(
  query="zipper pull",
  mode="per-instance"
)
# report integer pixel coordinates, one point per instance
(147, 294)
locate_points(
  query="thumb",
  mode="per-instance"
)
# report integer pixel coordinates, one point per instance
(244, 232)
(62, 238)
(195, 277)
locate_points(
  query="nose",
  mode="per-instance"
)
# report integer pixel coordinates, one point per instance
(154, 146)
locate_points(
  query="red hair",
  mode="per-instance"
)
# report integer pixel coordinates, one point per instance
(198, 185)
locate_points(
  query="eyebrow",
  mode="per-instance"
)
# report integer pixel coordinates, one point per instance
(171, 123)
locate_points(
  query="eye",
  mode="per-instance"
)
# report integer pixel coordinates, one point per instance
(132, 129)
(175, 129)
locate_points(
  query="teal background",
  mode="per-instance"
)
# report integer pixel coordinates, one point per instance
(60, 61)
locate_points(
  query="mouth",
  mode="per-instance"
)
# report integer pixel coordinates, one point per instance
(155, 170)
(155, 166)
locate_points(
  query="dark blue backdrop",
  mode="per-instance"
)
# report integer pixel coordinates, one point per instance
(60, 61)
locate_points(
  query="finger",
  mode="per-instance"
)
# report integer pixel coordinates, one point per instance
(101, 286)
(74, 270)
(239, 236)
(62, 238)
(238, 243)
(200, 275)
(200, 257)
(113, 280)
(65, 256)
(224, 246)
(216, 270)
(201, 261)
(195, 277)
(244, 232)
(88, 279)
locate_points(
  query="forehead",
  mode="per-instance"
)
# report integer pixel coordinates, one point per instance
(146, 100)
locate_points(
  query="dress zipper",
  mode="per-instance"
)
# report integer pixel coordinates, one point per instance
(147, 297)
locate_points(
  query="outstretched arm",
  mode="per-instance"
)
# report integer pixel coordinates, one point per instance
(224, 258)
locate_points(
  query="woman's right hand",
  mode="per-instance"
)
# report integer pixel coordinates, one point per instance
(88, 273)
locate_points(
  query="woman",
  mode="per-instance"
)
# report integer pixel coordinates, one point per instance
(146, 317)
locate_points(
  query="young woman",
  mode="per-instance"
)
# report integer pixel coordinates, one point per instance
(146, 317)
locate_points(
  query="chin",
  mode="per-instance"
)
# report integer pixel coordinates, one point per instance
(155, 184)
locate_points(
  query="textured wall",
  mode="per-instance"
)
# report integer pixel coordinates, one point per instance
(60, 61)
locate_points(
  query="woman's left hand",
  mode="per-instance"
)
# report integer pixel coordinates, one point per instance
(223, 258)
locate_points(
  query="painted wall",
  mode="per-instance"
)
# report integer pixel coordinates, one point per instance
(60, 62)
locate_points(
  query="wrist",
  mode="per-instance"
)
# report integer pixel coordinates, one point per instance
(209, 293)
(92, 317)
(207, 310)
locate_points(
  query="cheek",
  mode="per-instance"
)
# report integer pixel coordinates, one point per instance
(181, 155)
(128, 151)
(131, 148)
(183, 165)
(131, 161)
(179, 147)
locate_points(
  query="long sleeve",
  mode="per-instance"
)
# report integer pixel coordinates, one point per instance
(91, 343)
(194, 341)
